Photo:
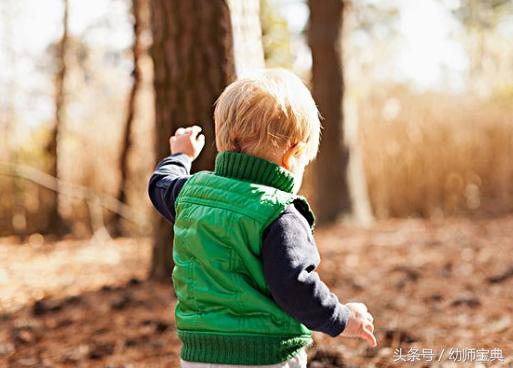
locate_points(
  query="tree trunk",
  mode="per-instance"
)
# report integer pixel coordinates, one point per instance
(55, 221)
(13, 196)
(325, 38)
(137, 50)
(194, 59)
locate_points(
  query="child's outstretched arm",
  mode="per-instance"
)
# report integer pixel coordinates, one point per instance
(172, 172)
(290, 257)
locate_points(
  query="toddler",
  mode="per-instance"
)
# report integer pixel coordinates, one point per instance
(244, 253)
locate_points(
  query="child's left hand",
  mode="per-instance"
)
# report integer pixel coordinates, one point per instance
(187, 141)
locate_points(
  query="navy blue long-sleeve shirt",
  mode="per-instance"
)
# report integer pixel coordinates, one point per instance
(289, 253)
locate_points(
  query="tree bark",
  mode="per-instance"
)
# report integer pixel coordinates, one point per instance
(55, 221)
(137, 50)
(194, 59)
(331, 191)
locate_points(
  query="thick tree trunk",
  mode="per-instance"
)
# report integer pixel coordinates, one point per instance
(325, 37)
(137, 50)
(55, 221)
(194, 59)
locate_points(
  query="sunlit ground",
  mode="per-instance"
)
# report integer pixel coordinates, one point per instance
(429, 285)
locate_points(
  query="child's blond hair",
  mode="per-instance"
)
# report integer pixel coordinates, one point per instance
(265, 114)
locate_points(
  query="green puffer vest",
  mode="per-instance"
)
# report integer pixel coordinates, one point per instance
(225, 313)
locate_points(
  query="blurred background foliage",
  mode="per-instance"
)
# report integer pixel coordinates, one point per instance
(435, 122)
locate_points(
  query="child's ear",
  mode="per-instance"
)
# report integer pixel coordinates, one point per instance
(301, 148)
(292, 155)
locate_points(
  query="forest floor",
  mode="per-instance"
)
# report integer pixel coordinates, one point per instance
(441, 294)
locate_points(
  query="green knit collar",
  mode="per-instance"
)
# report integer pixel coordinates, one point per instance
(245, 167)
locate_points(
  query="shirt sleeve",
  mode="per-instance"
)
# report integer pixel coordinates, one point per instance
(166, 182)
(290, 258)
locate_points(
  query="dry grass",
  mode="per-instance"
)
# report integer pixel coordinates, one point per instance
(436, 155)
(428, 155)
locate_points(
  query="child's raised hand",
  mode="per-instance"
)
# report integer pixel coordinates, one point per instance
(187, 141)
(360, 323)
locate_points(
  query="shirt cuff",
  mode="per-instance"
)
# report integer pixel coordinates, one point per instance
(336, 325)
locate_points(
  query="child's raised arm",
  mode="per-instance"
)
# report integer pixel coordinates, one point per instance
(171, 173)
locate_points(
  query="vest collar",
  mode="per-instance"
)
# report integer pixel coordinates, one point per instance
(254, 169)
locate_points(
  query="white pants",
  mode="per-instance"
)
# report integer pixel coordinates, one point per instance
(299, 361)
